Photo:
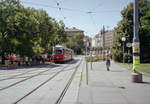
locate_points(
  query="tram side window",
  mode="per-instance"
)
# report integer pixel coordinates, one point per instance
(58, 51)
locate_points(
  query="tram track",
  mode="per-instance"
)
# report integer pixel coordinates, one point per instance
(18, 70)
(50, 78)
(13, 76)
(58, 101)
(11, 85)
(22, 80)
(37, 87)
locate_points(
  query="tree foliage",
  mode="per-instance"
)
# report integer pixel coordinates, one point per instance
(76, 43)
(27, 31)
(125, 28)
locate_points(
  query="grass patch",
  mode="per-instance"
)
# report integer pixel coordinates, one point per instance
(94, 59)
(126, 65)
(145, 68)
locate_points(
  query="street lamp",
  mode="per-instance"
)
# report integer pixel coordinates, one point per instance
(123, 40)
(85, 42)
(103, 33)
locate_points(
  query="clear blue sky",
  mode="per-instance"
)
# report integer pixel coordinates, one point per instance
(106, 12)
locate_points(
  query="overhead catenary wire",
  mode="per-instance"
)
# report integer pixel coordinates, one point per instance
(92, 19)
(59, 7)
(97, 7)
(68, 9)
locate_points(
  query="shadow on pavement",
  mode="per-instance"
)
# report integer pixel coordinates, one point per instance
(73, 61)
(68, 62)
(145, 82)
(29, 66)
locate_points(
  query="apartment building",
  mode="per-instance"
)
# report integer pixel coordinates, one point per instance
(102, 42)
(108, 42)
(97, 41)
(72, 31)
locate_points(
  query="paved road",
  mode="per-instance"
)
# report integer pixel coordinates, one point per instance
(113, 87)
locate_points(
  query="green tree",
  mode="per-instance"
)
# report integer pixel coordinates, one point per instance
(8, 10)
(76, 43)
(125, 28)
(27, 31)
(145, 33)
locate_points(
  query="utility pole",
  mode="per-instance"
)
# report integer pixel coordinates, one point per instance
(86, 45)
(137, 76)
(103, 33)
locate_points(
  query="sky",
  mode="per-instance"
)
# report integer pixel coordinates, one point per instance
(87, 15)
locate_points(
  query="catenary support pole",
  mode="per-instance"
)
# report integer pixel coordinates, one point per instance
(136, 76)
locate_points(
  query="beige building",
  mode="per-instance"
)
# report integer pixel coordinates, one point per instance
(97, 41)
(97, 44)
(108, 42)
(72, 31)
(101, 42)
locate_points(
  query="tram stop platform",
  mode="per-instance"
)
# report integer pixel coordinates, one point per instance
(112, 87)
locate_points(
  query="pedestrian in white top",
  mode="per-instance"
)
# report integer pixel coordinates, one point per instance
(27, 60)
(15, 60)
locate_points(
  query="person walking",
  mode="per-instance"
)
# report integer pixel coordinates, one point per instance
(108, 60)
(15, 61)
(11, 58)
(18, 60)
(6, 60)
(27, 60)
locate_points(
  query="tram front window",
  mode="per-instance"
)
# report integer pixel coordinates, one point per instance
(58, 51)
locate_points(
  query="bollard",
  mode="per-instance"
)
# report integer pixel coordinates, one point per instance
(136, 77)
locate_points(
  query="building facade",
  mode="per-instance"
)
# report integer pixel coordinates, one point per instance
(102, 41)
(108, 42)
(97, 41)
(72, 31)
(97, 44)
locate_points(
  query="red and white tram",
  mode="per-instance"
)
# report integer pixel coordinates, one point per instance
(62, 54)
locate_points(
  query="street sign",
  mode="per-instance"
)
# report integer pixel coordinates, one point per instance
(129, 45)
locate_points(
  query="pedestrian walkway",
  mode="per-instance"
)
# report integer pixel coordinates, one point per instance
(112, 87)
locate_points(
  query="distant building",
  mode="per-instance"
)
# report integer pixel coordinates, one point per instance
(94, 42)
(72, 31)
(101, 42)
(97, 44)
(97, 41)
(108, 39)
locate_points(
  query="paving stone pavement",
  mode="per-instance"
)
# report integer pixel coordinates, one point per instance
(112, 87)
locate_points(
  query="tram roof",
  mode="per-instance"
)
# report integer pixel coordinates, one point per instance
(61, 46)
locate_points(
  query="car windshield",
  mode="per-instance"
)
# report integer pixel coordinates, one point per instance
(58, 51)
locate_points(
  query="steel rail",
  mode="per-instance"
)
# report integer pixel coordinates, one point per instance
(41, 85)
(58, 101)
(13, 76)
(11, 85)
